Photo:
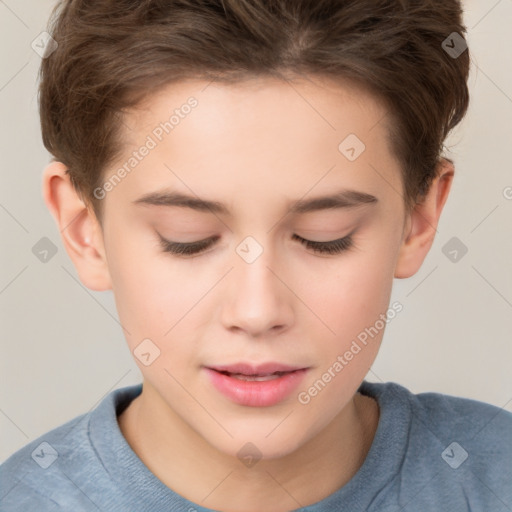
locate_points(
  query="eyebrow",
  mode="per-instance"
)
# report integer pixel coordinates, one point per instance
(342, 199)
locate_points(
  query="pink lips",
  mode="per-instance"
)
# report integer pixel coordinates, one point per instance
(256, 393)
(261, 369)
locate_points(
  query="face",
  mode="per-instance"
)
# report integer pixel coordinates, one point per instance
(265, 273)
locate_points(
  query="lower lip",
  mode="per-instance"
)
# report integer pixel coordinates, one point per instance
(256, 393)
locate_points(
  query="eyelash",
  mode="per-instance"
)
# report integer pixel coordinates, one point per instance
(333, 247)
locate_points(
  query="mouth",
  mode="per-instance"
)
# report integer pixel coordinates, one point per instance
(254, 377)
(263, 369)
(256, 386)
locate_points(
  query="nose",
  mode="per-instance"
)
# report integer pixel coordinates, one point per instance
(257, 300)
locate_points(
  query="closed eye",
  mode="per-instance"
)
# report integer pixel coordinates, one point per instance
(194, 248)
(331, 247)
(188, 249)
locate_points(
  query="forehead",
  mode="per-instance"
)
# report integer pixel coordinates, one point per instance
(325, 103)
(261, 135)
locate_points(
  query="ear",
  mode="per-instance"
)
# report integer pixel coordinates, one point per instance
(79, 228)
(421, 222)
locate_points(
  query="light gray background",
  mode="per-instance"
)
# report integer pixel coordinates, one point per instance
(62, 348)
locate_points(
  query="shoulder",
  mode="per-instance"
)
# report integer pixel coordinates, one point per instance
(479, 424)
(63, 469)
(472, 419)
(452, 449)
(29, 476)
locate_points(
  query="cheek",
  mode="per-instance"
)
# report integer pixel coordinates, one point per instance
(352, 293)
(352, 300)
(154, 295)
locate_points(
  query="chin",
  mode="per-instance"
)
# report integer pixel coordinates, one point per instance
(261, 445)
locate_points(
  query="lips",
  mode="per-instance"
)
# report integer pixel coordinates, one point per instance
(261, 370)
(260, 385)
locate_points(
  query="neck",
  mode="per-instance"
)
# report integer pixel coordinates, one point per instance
(191, 467)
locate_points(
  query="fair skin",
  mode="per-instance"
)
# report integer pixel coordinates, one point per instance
(256, 147)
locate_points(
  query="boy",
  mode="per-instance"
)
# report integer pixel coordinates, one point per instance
(248, 177)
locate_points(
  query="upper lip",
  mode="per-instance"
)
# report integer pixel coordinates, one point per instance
(251, 369)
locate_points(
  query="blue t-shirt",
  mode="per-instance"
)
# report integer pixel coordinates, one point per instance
(431, 452)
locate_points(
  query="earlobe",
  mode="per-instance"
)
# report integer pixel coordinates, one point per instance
(422, 222)
(78, 226)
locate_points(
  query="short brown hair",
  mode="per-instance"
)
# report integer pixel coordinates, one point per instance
(113, 54)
